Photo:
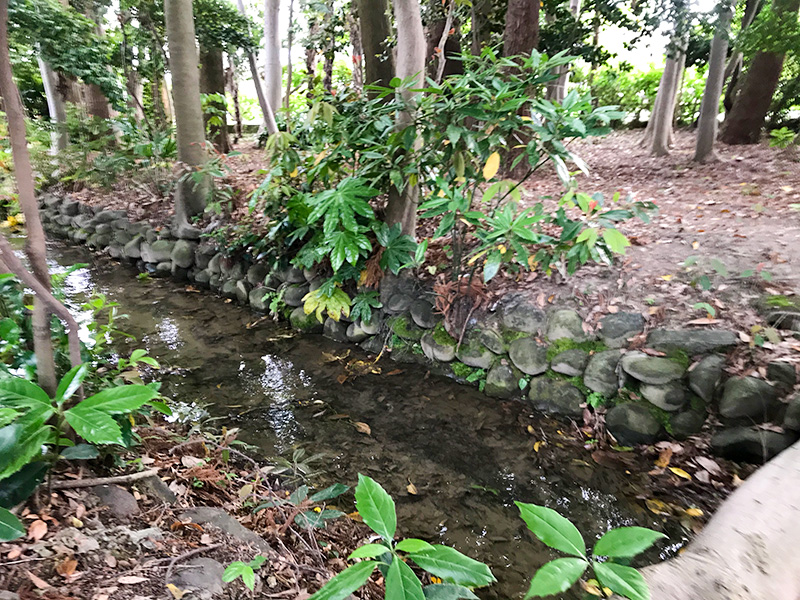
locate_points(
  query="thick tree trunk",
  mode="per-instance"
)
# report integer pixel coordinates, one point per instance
(266, 107)
(658, 134)
(272, 53)
(375, 30)
(521, 34)
(212, 81)
(746, 119)
(709, 107)
(734, 67)
(56, 107)
(557, 89)
(401, 206)
(133, 85)
(190, 199)
(479, 15)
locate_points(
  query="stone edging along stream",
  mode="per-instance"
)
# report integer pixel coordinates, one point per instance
(654, 396)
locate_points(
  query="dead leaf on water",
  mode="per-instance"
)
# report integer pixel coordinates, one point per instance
(363, 428)
(657, 506)
(694, 512)
(538, 445)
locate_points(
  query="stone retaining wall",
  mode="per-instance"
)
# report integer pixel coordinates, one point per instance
(549, 359)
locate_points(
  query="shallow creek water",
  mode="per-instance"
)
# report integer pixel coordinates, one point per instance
(467, 454)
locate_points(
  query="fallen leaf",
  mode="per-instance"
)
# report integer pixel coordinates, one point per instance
(395, 372)
(538, 445)
(16, 552)
(694, 512)
(246, 490)
(191, 461)
(110, 560)
(709, 465)
(363, 428)
(132, 579)
(206, 539)
(176, 592)
(664, 457)
(704, 321)
(37, 530)
(67, 567)
(76, 522)
(37, 581)
(412, 489)
(680, 473)
(657, 506)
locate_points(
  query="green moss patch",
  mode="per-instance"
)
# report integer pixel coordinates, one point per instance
(509, 335)
(405, 329)
(679, 356)
(441, 337)
(563, 344)
(577, 381)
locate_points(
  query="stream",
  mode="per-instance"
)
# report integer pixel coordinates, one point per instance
(468, 456)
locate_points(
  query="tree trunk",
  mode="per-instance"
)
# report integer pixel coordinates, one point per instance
(358, 50)
(734, 67)
(263, 102)
(401, 207)
(746, 119)
(443, 43)
(272, 53)
(658, 134)
(479, 15)
(375, 30)
(709, 107)
(328, 51)
(311, 61)
(233, 86)
(557, 89)
(212, 81)
(190, 199)
(289, 42)
(521, 34)
(56, 107)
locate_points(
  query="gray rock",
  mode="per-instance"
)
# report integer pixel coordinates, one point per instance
(670, 396)
(655, 370)
(335, 330)
(374, 325)
(692, 341)
(242, 291)
(632, 424)
(202, 278)
(617, 328)
(214, 265)
(115, 251)
(229, 289)
(232, 269)
(552, 396)
(151, 235)
(183, 253)
(106, 216)
(140, 536)
(121, 225)
(423, 315)
(207, 515)
(203, 255)
(791, 419)
(749, 444)
(436, 351)
(474, 354)
(215, 283)
(565, 323)
(571, 363)
(294, 275)
(492, 340)
(71, 208)
(122, 237)
(373, 344)
(528, 356)
(294, 293)
(303, 322)
(120, 502)
(524, 316)
(310, 274)
(782, 374)
(203, 575)
(601, 373)
(706, 376)
(406, 329)
(684, 424)
(398, 303)
(501, 382)
(397, 284)
(156, 488)
(50, 200)
(103, 228)
(6, 595)
(163, 269)
(256, 299)
(355, 334)
(158, 251)
(257, 273)
(748, 399)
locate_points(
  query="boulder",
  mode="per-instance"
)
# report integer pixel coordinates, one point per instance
(106, 216)
(565, 324)
(183, 253)
(706, 376)
(555, 397)
(670, 396)
(232, 269)
(692, 341)
(157, 251)
(791, 419)
(294, 293)
(571, 363)
(528, 356)
(257, 300)
(501, 382)
(655, 370)
(423, 315)
(122, 237)
(374, 325)
(257, 273)
(215, 264)
(202, 278)
(617, 328)
(70, 208)
(441, 352)
(242, 291)
(398, 303)
(782, 374)
(200, 575)
(601, 373)
(229, 289)
(163, 269)
(335, 330)
(748, 399)
(750, 444)
(120, 502)
(474, 354)
(684, 424)
(523, 316)
(632, 424)
(303, 322)
(104, 228)
(355, 334)
(203, 254)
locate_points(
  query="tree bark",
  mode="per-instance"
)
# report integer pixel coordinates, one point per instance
(212, 81)
(442, 45)
(289, 42)
(358, 50)
(328, 51)
(190, 199)
(557, 89)
(521, 34)
(263, 102)
(272, 53)
(479, 15)
(709, 107)
(375, 30)
(233, 86)
(401, 206)
(658, 134)
(746, 119)
(734, 66)
(56, 107)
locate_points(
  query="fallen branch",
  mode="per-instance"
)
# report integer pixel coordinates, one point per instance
(186, 555)
(82, 483)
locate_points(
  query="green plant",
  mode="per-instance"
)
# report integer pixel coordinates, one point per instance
(616, 545)
(102, 327)
(306, 513)
(244, 570)
(363, 304)
(459, 572)
(782, 138)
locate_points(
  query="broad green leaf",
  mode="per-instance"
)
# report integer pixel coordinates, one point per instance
(450, 565)
(448, 591)
(552, 529)
(92, 425)
(10, 526)
(240, 569)
(401, 583)
(80, 452)
(7, 415)
(412, 545)
(346, 582)
(625, 581)
(337, 489)
(15, 391)
(119, 400)
(317, 519)
(556, 576)
(376, 507)
(368, 551)
(70, 383)
(19, 443)
(625, 542)
(20, 485)
(615, 240)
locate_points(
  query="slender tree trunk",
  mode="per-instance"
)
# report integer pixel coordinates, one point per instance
(734, 67)
(289, 74)
(658, 134)
(212, 81)
(190, 199)
(272, 53)
(358, 50)
(521, 34)
(56, 107)
(233, 85)
(328, 50)
(375, 30)
(557, 89)
(709, 107)
(166, 102)
(746, 119)
(311, 61)
(443, 43)
(479, 15)
(401, 207)
(263, 102)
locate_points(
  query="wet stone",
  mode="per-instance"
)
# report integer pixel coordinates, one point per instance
(524, 316)
(601, 373)
(654, 370)
(374, 325)
(501, 382)
(782, 374)
(528, 356)
(748, 399)
(423, 315)
(229, 289)
(231, 269)
(214, 265)
(335, 330)
(554, 397)
(492, 340)
(571, 363)
(242, 291)
(670, 397)
(355, 334)
(706, 376)
(256, 274)
(183, 253)
(692, 341)
(303, 322)
(687, 423)
(436, 351)
(398, 303)
(632, 424)
(257, 300)
(616, 329)
(406, 329)
(750, 444)
(202, 278)
(473, 354)
(791, 419)
(163, 269)
(565, 324)
(293, 294)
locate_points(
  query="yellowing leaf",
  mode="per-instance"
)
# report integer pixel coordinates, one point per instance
(412, 489)
(245, 491)
(680, 473)
(667, 277)
(657, 506)
(492, 166)
(538, 445)
(694, 512)
(292, 174)
(176, 592)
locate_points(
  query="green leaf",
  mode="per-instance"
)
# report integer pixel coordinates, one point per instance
(317, 519)
(119, 400)
(625, 581)
(401, 583)
(448, 591)
(93, 425)
(240, 569)
(346, 582)
(20, 485)
(19, 443)
(625, 542)
(412, 545)
(7, 415)
(450, 565)
(337, 489)
(80, 452)
(615, 240)
(368, 551)
(553, 529)
(376, 507)
(10, 526)
(21, 392)
(556, 576)
(71, 382)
